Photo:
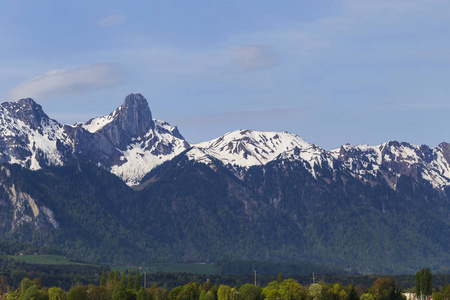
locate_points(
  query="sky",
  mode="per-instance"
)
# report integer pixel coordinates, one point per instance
(332, 72)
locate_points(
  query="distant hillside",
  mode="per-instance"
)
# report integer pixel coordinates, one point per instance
(128, 188)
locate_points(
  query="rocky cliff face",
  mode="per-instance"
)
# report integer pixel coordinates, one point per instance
(127, 142)
(132, 120)
(19, 208)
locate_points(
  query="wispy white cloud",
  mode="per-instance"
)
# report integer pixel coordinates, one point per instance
(59, 83)
(112, 20)
(252, 57)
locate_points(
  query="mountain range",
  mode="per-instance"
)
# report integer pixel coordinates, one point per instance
(126, 187)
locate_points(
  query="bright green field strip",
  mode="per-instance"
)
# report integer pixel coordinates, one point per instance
(45, 259)
(174, 268)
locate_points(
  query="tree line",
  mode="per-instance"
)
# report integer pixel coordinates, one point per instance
(128, 285)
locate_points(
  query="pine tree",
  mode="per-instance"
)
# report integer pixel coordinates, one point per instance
(418, 291)
(428, 278)
(424, 283)
(279, 278)
(111, 276)
(137, 281)
(123, 277)
(103, 279)
(130, 280)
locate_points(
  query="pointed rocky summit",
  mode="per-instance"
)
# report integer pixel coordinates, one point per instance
(134, 116)
(26, 110)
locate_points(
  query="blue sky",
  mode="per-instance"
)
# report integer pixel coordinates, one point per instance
(333, 72)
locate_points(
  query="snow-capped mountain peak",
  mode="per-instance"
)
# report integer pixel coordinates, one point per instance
(28, 136)
(247, 148)
(136, 143)
(130, 143)
(127, 142)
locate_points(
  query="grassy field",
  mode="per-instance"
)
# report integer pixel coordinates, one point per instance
(173, 267)
(45, 259)
(149, 268)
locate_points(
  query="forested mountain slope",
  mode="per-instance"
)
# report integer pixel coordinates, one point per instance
(128, 188)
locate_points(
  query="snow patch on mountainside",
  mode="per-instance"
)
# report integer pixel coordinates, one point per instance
(397, 159)
(143, 155)
(20, 139)
(96, 124)
(164, 126)
(202, 155)
(311, 156)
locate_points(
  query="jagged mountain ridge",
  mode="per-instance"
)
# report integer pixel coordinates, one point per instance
(130, 143)
(245, 148)
(393, 159)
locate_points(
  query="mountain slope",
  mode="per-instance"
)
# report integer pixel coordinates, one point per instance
(245, 195)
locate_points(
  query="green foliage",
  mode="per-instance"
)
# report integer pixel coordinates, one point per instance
(130, 280)
(224, 293)
(111, 276)
(202, 295)
(190, 291)
(123, 277)
(210, 295)
(386, 289)
(130, 295)
(288, 289)
(97, 293)
(56, 293)
(142, 294)
(279, 278)
(315, 291)
(31, 293)
(444, 294)
(77, 293)
(173, 295)
(120, 292)
(418, 283)
(250, 292)
(116, 276)
(25, 284)
(424, 282)
(103, 279)
(352, 294)
(137, 281)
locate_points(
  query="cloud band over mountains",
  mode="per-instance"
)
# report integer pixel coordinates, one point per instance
(59, 83)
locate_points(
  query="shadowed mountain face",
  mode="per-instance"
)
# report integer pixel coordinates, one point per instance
(245, 195)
